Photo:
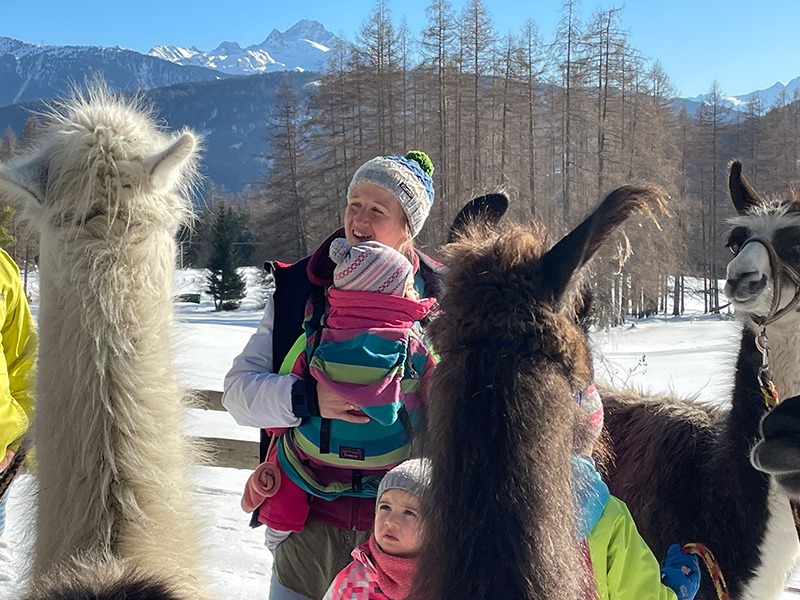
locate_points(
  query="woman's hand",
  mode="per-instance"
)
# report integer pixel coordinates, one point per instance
(333, 406)
(6, 460)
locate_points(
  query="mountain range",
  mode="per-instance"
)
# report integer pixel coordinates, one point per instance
(226, 93)
(301, 47)
(31, 72)
(767, 97)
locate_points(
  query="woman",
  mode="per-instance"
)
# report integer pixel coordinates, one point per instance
(388, 201)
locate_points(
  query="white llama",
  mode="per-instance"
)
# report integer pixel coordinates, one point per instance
(107, 191)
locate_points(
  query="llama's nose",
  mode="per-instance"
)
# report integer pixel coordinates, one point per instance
(745, 285)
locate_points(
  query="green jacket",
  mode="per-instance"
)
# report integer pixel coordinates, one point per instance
(624, 566)
(18, 359)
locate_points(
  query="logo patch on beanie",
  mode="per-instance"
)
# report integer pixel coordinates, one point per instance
(406, 190)
(351, 453)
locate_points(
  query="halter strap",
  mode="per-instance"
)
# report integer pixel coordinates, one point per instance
(779, 268)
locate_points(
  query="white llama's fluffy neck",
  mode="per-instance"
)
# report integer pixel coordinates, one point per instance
(113, 464)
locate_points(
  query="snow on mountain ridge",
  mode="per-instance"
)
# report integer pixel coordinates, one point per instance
(767, 97)
(302, 47)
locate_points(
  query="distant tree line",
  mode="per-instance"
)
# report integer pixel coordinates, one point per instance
(556, 124)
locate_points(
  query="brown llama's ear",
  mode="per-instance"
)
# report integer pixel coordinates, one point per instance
(742, 193)
(486, 210)
(565, 259)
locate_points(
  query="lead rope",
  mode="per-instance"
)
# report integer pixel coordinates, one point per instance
(712, 566)
(768, 390)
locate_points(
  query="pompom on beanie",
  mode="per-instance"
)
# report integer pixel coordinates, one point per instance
(407, 178)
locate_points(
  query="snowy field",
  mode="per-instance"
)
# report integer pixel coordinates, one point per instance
(691, 355)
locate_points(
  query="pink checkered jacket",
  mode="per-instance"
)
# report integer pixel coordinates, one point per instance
(373, 575)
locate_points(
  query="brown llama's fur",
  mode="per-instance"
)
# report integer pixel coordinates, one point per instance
(499, 513)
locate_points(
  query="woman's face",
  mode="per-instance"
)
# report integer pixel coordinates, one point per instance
(397, 523)
(372, 213)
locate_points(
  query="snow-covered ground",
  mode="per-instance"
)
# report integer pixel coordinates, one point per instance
(691, 355)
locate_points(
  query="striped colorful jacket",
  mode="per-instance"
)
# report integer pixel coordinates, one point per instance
(369, 351)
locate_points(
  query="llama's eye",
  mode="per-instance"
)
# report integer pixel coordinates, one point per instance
(735, 240)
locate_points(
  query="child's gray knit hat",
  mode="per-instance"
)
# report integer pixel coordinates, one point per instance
(412, 475)
(407, 178)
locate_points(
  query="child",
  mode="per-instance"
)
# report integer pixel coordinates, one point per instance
(623, 565)
(384, 566)
(369, 353)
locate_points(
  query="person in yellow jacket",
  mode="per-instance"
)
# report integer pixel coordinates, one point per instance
(17, 365)
(623, 565)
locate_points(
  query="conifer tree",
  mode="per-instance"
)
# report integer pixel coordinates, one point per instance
(6, 238)
(225, 284)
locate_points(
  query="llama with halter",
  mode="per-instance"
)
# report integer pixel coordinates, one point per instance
(107, 190)
(684, 469)
(499, 514)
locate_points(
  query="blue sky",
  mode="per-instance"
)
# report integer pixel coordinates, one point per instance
(742, 47)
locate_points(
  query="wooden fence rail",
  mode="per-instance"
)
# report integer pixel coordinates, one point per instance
(223, 452)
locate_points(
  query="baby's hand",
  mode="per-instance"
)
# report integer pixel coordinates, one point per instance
(411, 293)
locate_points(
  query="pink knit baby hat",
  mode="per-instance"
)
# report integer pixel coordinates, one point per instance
(369, 267)
(589, 422)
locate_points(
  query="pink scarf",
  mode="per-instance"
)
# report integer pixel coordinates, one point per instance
(394, 573)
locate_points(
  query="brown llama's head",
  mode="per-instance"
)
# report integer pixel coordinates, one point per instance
(499, 516)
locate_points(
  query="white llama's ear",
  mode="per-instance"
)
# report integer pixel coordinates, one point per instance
(25, 180)
(165, 168)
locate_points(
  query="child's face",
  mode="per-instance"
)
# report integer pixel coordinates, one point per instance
(397, 523)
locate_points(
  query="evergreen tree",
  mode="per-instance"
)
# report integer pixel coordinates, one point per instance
(6, 238)
(225, 284)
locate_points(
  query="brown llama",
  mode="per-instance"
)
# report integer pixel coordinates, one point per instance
(499, 515)
(684, 469)
(106, 188)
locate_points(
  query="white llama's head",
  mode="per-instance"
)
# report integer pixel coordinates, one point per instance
(103, 167)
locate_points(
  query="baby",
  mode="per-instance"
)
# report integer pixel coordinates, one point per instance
(368, 351)
(369, 337)
(384, 566)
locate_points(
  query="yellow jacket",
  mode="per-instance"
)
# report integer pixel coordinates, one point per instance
(18, 359)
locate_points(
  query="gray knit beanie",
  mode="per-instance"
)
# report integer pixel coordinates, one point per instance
(412, 475)
(407, 178)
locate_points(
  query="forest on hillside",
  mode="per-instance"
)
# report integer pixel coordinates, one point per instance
(556, 124)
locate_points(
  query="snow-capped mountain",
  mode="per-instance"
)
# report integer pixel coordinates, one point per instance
(777, 93)
(302, 47)
(30, 72)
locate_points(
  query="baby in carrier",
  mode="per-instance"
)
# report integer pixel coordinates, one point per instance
(368, 351)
